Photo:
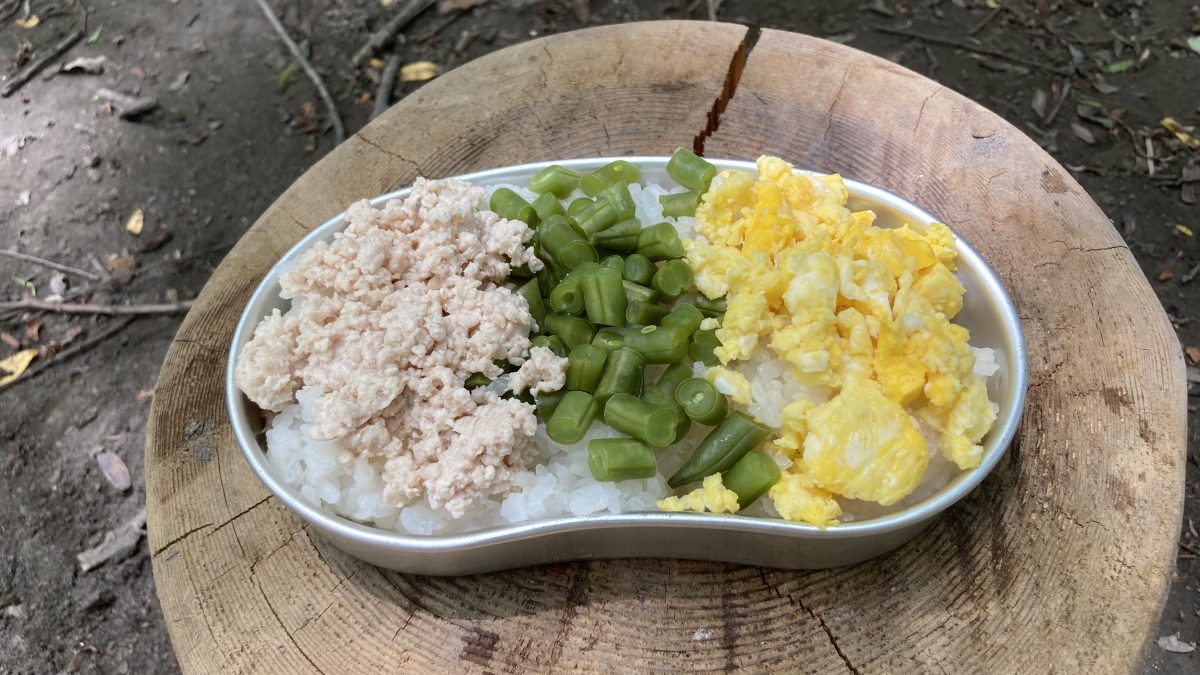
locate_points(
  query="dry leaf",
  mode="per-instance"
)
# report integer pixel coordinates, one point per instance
(136, 220)
(1167, 274)
(1172, 643)
(33, 329)
(10, 340)
(91, 66)
(386, 3)
(377, 63)
(1120, 66)
(447, 6)
(30, 21)
(1184, 230)
(1193, 355)
(114, 470)
(418, 71)
(1193, 43)
(15, 365)
(1082, 133)
(1170, 124)
(118, 264)
(1039, 103)
(145, 394)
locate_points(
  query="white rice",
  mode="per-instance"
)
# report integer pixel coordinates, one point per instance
(559, 482)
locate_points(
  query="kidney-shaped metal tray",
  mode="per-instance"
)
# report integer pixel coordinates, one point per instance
(988, 313)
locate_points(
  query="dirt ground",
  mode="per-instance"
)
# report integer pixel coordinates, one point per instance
(232, 130)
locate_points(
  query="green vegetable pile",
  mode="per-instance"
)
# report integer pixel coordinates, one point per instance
(607, 299)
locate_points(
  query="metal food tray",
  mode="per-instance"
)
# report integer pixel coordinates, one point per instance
(987, 312)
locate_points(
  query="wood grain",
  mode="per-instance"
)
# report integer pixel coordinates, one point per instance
(1059, 562)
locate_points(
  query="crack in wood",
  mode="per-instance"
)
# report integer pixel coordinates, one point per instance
(284, 627)
(733, 76)
(828, 633)
(837, 96)
(216, 529)
(921, 113)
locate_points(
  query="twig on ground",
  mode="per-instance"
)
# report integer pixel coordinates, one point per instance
(339, 131)
(380, 38)
(1062, 96)
(714, 6)
(49, 263)
(986, 20)
(67, 353)
(383, 95)
(32, 304)
(34, 68)
(128, 107)
(933, 39)
(9, 8)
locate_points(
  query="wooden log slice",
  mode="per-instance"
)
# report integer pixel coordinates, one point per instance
(1058, 563)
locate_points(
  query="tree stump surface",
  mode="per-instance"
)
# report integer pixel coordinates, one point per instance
(1059, 562)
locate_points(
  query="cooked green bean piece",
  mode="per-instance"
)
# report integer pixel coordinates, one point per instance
(622, 374)
(638, 292)
(680, 204)
(555, 180)
(614, 262)
(571, 329)
(751, 477)
(657, 397)
(533, 297)
(639, 269)
(673, 376)
(631, 415)
(510, 205)
(702, 346)
(644, 313)
(613, 459)
(619, 171)
(684, 315)
(659, 344)
(547, 278)
(595, 217)
(711, 307)
(690, 171)
(567, 296)
(521, 271)
(563, 244)
(620, 237)
(701, 401)
(477, 380)
(572, 417)
(736, 435)
(551, 342)
(584, 367)
(660, 242)
(577, 205)
(672, 279)
(603, 296)
(547, 205)
(546, 402)
(609, 339)
(618, 196)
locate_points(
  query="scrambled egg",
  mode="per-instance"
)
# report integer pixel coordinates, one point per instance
(862, 310)
(712, 496)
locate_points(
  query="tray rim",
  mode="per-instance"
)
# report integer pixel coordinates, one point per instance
(915, 516)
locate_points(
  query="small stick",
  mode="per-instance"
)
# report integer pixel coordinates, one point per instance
(714, 6)
(72, 351)
(107, 310)
(386, 32)
(986, 20)
(34, 68)
(339, 131)
(1066, 91)
(383, 95)
(49, 263)
(970, 48)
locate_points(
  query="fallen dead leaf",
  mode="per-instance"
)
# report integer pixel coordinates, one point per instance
(1038, 103)
(33, 330)
(1120, 66)
(418, 71)
(1193, 355)
(448, 6)
(136, 220)
(119, 264)
(1193, 43)
(91, 66)
(1172, 643)
(1184, 230)
(10, 340)
(28, 22)
(1082, 133)
(377, 63)
(145, 394)
(114, 470)
(1167, 274)
(1170, 124)
(15, 365)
